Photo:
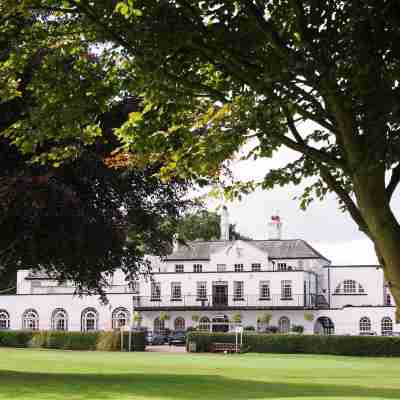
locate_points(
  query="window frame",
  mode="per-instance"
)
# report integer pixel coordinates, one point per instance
(256, 267)
(197, 268)
(286, 289)
(201, 290)
(155, 291)
(238, 290)
(238, 267)
(265, 286)
(5, 319)
(176, 291)
(180, 267)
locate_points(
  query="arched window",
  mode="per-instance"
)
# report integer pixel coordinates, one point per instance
(120, 317)
(59, 320)
(4, 319)
(30, 320)
(159, 325)
(349, 286)
(365, 325)
(387, 326)
(179, 324)
(204, 324)
(89, 320)
(284, 325)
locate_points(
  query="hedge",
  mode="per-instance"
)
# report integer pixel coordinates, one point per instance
(104, 340)
(307, 344)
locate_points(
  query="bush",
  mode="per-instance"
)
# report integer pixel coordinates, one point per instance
(298, 328)
(271, 329)
(249, 328)
(308, 344)
(106, 341)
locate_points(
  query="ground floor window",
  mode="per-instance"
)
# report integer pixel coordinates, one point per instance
(204, 324)
(4, 319)
(59, 320)
(120, 317)
(30, 320)
(284, 325)
(90, 320)
(387, 326)
(179, 324)
(159, 325)
(365, 325)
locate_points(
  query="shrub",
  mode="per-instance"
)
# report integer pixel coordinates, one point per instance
(310, 344)
(107, 341)
(298, 328)
(271, 329)
(249, 328)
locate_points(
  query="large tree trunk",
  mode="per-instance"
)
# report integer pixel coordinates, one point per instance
(384, 230)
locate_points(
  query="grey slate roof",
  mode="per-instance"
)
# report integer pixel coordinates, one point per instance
(276, 249)
(37, 275)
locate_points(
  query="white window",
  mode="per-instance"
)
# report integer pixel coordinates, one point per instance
(349, 286)
(282, 266)
(201, 290)
(179, 324)
(120, 317)
(221, 267)
(4, 319)
(387, 326)
(135, 288)
(89, 320)
(284, 325)
(176, 291)
(155, 291)
(179, 268)
(59, 320)
(256, 267)
(238, 290)
(365, 325)
(159, 325)
(204, 324)
(238, 267)
(265, 293)
(30, 320)
(286, 287)
(197, 267)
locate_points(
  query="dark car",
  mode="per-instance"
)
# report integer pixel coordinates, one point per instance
(177, 339)
(159, 339)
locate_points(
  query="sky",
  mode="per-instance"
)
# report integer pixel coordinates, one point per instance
(332, 232)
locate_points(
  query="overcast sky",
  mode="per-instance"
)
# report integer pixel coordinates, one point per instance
(323, 225)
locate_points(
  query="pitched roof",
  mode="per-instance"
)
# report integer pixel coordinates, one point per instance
(276, 249)
(38, 275)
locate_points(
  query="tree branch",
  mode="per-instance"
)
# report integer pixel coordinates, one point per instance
(394, 181)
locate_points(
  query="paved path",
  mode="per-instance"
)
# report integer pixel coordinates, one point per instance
(166, 349)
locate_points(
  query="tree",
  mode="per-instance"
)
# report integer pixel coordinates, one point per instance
(215, 74)
(204, 225)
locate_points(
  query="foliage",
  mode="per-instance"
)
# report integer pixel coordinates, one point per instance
(249, 328)
(264, 318)
(105, 341)
(205, 225)
(236, 318)
(298, 328)
(310, 344)
(164, 316)
(308, 316)
(195, 317)
(213, 76)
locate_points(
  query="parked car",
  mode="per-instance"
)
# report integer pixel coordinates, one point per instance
(177, 339)
(159, 339)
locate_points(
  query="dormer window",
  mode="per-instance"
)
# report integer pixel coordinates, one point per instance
(255, 267)
(282, 266)
(238, 267)
(197, 267)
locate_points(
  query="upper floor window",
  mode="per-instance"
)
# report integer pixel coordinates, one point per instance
(265, 293)
(197, 267)
(238, 267)
(155, 291)
(238, 290)
(176, 291)
(286, 290)
(349, 286)
(4, 319)
(256, 267)
(282, 266)
(201, 290)
(221, 267)
(179, 268)
(30, 320)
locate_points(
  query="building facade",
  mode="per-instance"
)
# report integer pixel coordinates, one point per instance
(217, 285)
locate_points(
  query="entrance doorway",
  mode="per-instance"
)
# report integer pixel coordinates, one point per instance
(324, 326)
(220, 295)
(220, 323)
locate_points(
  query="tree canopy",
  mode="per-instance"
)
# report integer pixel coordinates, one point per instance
(212, 75)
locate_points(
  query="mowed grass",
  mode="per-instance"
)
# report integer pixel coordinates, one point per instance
(55, 374)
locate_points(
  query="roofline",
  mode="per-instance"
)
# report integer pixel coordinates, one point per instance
(353, 266)
(315, 251)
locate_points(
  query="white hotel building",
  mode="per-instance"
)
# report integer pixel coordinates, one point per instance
(208, 284)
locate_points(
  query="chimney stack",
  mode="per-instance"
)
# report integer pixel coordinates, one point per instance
(224, 225)
(275, 228)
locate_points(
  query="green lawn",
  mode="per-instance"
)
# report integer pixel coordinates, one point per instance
(44, 374)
